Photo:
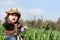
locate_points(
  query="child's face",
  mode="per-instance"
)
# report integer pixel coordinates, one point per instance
(13, 18)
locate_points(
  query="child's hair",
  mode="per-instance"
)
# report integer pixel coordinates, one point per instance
(8, 26)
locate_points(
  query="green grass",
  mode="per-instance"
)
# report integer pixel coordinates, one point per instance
(37, 34)
(1, 32)
(40, 34)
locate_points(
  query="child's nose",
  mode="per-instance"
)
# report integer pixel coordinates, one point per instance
(13, 16)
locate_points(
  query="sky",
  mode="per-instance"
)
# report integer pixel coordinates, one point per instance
(48, 9)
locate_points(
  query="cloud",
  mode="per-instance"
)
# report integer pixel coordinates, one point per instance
(9, 2)
(35, 11)
(30, 13)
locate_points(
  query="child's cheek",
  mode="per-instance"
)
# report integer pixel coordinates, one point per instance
(16, 18)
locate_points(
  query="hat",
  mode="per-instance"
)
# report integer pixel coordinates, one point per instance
(13, 11)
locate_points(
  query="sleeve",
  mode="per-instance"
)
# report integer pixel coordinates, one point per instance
(8, 26)
(22, 29)
(5, 24)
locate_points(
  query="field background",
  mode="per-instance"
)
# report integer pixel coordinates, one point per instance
(38, 30)
(44, 32)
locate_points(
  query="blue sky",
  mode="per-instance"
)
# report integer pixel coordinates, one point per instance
(48, 9)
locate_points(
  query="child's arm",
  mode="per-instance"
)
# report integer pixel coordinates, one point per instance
(21, 28)
(5, 15)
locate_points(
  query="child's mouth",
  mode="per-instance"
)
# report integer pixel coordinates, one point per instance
(13, 19)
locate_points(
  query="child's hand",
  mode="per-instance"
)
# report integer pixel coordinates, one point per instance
(5, 15)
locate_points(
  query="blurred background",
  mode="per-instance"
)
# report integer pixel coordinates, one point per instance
(34, 12)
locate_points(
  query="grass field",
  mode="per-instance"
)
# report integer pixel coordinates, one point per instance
(1, 32)
(41, 34)
(37, 34)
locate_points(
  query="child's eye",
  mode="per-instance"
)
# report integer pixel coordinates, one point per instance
(15, 15)
(12, 15)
